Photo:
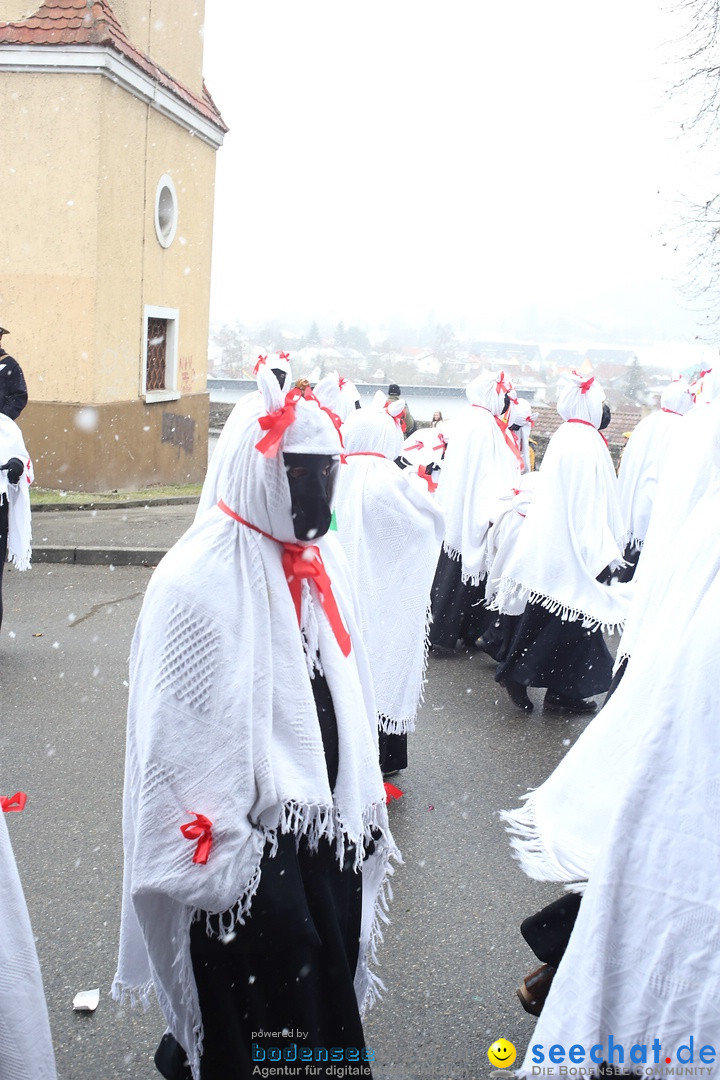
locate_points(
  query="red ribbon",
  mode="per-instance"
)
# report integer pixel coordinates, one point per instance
(9, 803)
(442, 445)
(398, 419)
(392, 792)
(500, 386)
(300, 561)
(276, 424)
(364, 453)
(577, 420)
(415, 446)
(201, 830)
(284, 355)
(432, 484)
(304, 561)
(585, 386)
(673, 411)
(260, 361)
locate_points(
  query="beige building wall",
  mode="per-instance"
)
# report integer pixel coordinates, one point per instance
(81, 261)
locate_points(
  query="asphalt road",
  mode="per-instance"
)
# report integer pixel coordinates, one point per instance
(452, 955)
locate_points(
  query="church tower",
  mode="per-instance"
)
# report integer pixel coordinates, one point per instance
(108, 167)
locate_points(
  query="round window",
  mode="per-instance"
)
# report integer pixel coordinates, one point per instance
(166, 213)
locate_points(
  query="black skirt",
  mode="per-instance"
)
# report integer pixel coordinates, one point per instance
(563, 656)
(458, 608)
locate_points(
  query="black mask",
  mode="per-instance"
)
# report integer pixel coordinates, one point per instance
(312, 481)
(280, 375)
(606, 416)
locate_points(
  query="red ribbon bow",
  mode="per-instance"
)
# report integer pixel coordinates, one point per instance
(585, 386)
(284, 356)
(201, 830)
(260, 361)
(392, 792)
(500, 385)
(432, 484)
(442, 445)
(300, 561)
(9, 803)
(414, 446)
(276, 424)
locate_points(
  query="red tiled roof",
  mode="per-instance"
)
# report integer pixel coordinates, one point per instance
(93, 22)
(548, 420)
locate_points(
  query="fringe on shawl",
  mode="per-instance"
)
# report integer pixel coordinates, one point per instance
(467, 579)
(529, 849)
(20, 560)
(135, 995)
(509, 590)
(404, 724)
(369, 987)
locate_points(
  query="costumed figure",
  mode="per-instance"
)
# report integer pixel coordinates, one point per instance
(641, 462)
(686, 471)
(26, 1050)
(502, 539)
(423, 454)
(482, 463)
(520, 421)
(391, 531)
(16, 475)
(561, 566)
(257, 848)
(628, 823)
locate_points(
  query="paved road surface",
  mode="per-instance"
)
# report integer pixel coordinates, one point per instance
(452, 954)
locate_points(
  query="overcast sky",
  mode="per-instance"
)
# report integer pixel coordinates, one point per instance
(501, 165)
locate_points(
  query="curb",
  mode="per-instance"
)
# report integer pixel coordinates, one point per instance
(98, 556)
(120, 504)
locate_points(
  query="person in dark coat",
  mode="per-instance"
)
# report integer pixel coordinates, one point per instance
(13, 391)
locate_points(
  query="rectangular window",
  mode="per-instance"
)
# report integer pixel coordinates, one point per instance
(160, 354)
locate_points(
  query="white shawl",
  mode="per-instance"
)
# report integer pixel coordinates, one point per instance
(19, 549)
(573, 528)
(632, 809)
(642, 460)
(687, 470)
(479, 467)
(391, 532)
(222, 722)
(503, 535)
(26, 1050)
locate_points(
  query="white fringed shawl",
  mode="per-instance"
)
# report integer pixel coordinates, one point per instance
(687, 470)
(503, 535)
(26, 1050)
(642, 460)
(572, 531)
(633, 809)
(19, 550)
(478, 469)
(391, 532)
(222, 722)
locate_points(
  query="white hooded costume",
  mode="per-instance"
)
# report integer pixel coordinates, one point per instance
(222, 722)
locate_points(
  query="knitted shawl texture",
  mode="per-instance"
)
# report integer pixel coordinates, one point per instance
(26, 1050)
(391, 532)
(222, 722)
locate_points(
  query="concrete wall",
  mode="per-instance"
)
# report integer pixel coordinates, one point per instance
(118, 446)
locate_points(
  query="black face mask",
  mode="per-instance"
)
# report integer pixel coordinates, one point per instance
(280, 375)
(606, 416)
(312, 481)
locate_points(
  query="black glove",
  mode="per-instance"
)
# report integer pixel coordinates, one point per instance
(14, 469)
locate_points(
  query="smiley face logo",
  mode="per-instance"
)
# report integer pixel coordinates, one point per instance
(502, 1053)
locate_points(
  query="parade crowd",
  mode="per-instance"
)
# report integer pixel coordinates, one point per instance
(276, 674)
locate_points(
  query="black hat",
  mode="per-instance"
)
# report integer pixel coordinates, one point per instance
(393, 390)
